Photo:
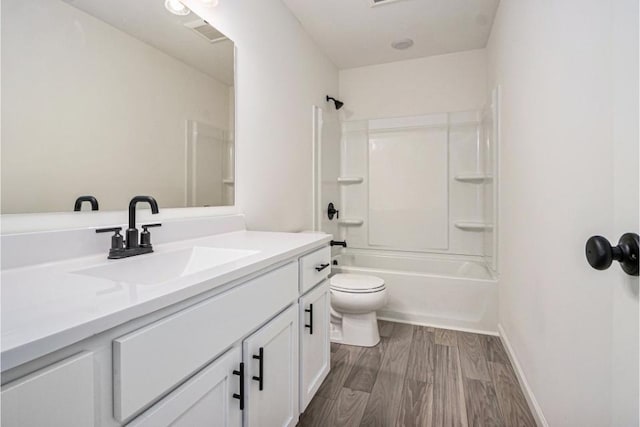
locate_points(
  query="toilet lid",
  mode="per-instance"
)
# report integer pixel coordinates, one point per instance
(356, 283)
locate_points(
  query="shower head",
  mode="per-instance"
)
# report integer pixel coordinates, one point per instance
(338, 104)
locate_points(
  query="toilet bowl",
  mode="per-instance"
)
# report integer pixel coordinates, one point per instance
(354, 301)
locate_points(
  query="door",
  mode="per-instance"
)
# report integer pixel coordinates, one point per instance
(211, 398)
(271, 364)
(208, 161)
(625, 394)
(314, 341)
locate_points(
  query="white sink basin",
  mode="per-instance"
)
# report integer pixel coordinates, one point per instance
(158, 268)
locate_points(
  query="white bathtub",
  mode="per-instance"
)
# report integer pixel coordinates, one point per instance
(440, 292)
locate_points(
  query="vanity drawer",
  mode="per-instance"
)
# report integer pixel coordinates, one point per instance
(309, 265)
(148, 362)
(60, 395)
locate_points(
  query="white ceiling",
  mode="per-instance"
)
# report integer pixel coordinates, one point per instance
(149, 21)
(354, 34)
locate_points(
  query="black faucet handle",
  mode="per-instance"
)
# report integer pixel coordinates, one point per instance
(145, 236)
(117, 241)
(116, 230)
(145, 226)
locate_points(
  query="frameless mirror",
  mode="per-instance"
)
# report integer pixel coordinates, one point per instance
(111, 99)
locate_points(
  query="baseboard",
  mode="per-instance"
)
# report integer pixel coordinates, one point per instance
(423, 321)
(535, 408)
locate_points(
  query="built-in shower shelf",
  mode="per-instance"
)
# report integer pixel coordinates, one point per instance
(350, 179)
(228, 181)
(473, 177)
(473, 226)
(351, 221)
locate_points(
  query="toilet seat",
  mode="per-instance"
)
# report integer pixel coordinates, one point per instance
(356, 283)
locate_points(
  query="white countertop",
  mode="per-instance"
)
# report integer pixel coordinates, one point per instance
(49, 306)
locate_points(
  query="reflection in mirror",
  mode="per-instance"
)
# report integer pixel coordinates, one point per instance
(111, 99)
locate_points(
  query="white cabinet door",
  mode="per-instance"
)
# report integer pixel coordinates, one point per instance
(271, 365)
(210, 399)
(314, 342)
(190, 338)
(61, 395)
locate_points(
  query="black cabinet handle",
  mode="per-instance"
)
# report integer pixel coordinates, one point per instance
(600, 254)
(260, 377)
(321, 267)
(338, 243)
(310, 325)
(240, 396)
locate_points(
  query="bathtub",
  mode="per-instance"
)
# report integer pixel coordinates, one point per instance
(440, 292)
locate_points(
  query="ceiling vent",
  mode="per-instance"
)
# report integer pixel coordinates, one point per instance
(206, 31)
(373, 3)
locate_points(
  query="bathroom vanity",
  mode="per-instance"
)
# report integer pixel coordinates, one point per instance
(224, 327)
(218, 325)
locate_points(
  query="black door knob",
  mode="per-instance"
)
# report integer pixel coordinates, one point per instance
(332, 211)
(600, 254)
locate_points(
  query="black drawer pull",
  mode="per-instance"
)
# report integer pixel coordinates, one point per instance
(310, 325)
(321, 267)
(240, 396)
(260, 378)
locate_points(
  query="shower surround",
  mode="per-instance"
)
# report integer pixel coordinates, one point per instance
(417, 203)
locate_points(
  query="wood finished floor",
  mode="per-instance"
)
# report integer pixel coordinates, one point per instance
(420, 376)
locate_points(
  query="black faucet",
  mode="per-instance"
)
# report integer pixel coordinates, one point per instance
(132, 231)
(132, 246)
(92, 200)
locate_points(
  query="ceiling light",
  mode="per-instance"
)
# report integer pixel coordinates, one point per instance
(210, 3)
(176, 7)
(402, 44)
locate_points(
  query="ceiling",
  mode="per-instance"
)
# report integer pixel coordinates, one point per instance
(150, 22)
(354, 34)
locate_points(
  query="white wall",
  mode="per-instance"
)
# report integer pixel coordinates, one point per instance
(553, 61)
(436, 84)
(280, 75)
(88, 109)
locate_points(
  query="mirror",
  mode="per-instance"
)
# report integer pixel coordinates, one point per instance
(111, 99)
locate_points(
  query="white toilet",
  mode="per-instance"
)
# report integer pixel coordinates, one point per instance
(354, 301)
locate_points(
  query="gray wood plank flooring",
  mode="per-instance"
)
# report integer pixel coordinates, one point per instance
(473, 359)
(422, 356)
(449, 408)
(417, 404)
(348, 408)
(342, 362)
(385, 397)
(445, 337)
(365, 371)
(420, 376)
